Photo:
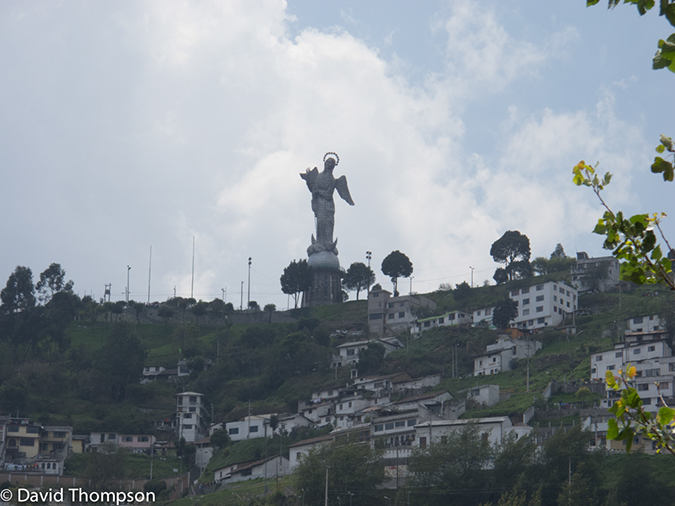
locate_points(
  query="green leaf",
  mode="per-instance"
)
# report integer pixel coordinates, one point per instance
(612, 429)
(659, 62)
(660, 148)
(665, 415)
(589, 3)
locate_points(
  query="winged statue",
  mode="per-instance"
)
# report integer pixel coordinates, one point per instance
(322, 184)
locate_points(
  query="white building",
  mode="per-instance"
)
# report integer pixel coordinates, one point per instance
(483, 316)
(191, 416)
(393, 315)
(644, 324)
(485, 395)
(449, 319)
(265, 468)
(249, 427)
(497, 357)
(297, 450)
(544, 304)
(492, 430)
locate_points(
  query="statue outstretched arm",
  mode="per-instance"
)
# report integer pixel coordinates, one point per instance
(343, 190)
(310, 176)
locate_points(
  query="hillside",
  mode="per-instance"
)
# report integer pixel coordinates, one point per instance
(274, 365)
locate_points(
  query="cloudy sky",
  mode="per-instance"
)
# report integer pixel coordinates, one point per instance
(136, 124)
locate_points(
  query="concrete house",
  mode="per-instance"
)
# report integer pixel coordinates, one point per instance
(588, 268)
(191, 416)
(449, 319)
(389, 315)
(497, 357)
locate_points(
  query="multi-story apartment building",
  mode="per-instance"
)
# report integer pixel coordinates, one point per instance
(544, 304)
(497, 357)
(601, 273)
(389, 315)
(191, 416)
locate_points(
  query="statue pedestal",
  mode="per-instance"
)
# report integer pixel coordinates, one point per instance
(326, 280)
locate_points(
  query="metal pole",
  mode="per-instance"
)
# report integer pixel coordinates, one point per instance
(128, 269)
(149, 273)
(249, 282)
(326, 496)
(241, 303)
(472, 268)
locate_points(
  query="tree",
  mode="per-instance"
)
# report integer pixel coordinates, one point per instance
(371, 359)
(513, 250)
(462, 291)
(396, 265)
(504, 312)
(358, 277)
(18, 294)
(199, 309)
(165, 313)
(297, 278)
(351, 467)
(270, 308)
(220, 439)
(665, 55)
(120, 361)
(52, 280)
(454, 467)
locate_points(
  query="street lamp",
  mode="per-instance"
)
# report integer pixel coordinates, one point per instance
(128, 269)
(249, 281)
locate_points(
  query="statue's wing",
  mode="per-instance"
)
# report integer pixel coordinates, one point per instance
(310, 177)
(343, 190)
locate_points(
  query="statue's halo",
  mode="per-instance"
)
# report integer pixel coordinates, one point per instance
(337, 158)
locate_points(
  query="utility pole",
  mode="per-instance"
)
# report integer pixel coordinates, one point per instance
(192, 286)
(249, 282)
(128, 269)
(241, 302)
(149, 273)
(472, 268)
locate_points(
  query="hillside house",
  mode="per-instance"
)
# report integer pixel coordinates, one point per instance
(497, 357)
(482, 316)
(389, 315)
(449, 319)
(485, 395)
(492, 430)
(645, 324)
(191, 416)
(543, 305)
(600, 272)
(297, 450)
(250, 427)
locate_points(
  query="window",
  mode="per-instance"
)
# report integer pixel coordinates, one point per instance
(441, 321)
(390, 305)
(514, 292)
(350, 352)
(664, 385)
(555, 288)
(192, 410)
(651, 348)
(530, 323)
(234, 431)
(187, 426)
(598, 358)
(610, 367)
(555, 309)
(401, 314)
(187, 415)
(389, 426)
(412, 422)
(540, 288)
(541, 320)
(59, 435)
(378, 427)
(143, 439)
(27, 441)
(525, 290)
(400, 424)
(488, 311)
(643, 387)
(540, 309)
(376, 316)
(618, 354)
(526, 312)
(637, 320)
(427, 324)
(477, 313)
(112, 436)
(540, 298)
(392, 316)
(526, 301)
(32, 430)
(555, 298)
(254, 428)
(13, 428)
(636, 351)
(128, 439)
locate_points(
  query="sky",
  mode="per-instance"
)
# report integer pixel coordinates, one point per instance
(131, 131)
